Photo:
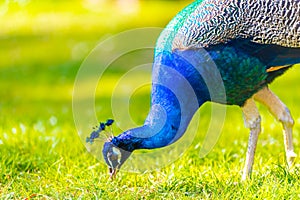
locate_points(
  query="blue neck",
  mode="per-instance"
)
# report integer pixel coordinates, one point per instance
(177, 92)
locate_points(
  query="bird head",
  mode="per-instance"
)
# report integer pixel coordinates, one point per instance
(114, 157)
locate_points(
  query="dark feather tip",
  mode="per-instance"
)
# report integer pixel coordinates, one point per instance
(109, 122)
(102, 126)
(94, 134)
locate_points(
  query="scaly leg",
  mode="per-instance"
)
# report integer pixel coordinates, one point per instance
(281, 113)
(252, 121)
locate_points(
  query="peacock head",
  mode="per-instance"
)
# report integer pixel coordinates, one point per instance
(114, 157)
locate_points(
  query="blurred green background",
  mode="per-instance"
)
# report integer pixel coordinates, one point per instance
(42, 45)
(44, 42)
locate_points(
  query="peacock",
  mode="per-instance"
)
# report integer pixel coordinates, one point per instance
(247, 42)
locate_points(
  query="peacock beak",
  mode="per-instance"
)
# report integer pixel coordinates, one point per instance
(113, 173)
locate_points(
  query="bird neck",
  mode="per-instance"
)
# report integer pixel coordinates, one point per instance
(166, 123)
(177, 92)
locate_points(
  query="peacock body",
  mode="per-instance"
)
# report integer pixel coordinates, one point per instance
(244, 38)
(250, 42)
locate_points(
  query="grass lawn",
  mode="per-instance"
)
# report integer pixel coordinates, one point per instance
(42, 45)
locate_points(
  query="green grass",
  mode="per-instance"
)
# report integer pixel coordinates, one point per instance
(41, 156)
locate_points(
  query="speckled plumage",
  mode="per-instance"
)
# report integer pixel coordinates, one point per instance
(263, 21)
(244, 38)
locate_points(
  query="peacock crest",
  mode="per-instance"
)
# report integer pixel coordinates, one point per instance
(103, 127)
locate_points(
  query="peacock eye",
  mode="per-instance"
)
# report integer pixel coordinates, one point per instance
(116, 153)
(114, 157)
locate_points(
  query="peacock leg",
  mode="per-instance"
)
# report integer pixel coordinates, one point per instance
(252, 121)
(281, 113)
